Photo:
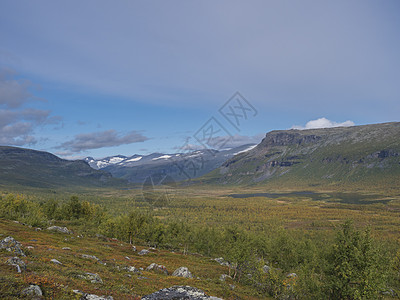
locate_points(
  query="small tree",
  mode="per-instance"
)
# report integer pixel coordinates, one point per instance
(354, 266)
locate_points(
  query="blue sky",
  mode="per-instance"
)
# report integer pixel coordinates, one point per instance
(98, 78)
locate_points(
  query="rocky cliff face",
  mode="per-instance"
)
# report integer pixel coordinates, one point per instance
(318, 156)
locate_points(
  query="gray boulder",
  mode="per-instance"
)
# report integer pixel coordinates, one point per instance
(11, 245)
(179, 292)
(86, 296)
(32, 290)
(143, 252)
(132, 269)
(266, 269)
(17, 262)
(93, 278)
(182, 272)
(222, 261)
(60, 229)
(223, 277)
(157, 268)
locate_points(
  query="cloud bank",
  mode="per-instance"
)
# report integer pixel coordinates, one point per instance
(323, 123)
(18, 124)
(96, 140)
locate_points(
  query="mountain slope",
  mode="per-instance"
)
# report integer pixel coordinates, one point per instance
(368, 154)
(27, 167)
(178, 166)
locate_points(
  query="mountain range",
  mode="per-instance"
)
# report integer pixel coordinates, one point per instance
(179, 166)
(363, 156)
(367, 155)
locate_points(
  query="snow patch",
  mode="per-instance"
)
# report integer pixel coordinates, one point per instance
(134, 159)
(245, 150)
(162, 157)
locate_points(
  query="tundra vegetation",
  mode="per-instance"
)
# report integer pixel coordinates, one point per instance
(288, 247)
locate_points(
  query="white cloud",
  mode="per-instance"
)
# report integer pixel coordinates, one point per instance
(323, 123)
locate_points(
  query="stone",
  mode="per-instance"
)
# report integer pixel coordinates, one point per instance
(93, 257)
(17, 262)
(66, 248)
(157, 268)
(92, 277)
(179, 292)
(266, 269)
(223, 277)
(143, 252)
(55, 261)
(132, 269)
(86, 296)
(182, 272)
(32, 290)
(222, 261)
(60, 229)
(11, 245)
(291, 275)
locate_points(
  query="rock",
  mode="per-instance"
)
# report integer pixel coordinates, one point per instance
(92, 277)
(132, 269)
(266, 269)
(86, 296)
(60, 229)
(179, 292)
(93, 257)
(222, 261)
(182, 272)
(11, 245)
(17, 262)
(66, 248)
(157, 268)
(126, 257)
(32, 290)
(223, 277)
(291, 275)
(143, 252)
(30, 247)
(56, 261)
(134, 248)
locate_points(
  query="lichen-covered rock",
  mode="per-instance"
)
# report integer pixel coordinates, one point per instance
(157, 268)
(60, 229)
(223, 277)
(143, 252)
(266, 269)
(222, 261)
(93, 278)
(11, 245)
(86, 296)
(182, 272)
(179, 292)
(32, 290)
(17, 262)
(132, 269)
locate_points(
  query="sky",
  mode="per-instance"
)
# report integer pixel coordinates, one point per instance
(99, 78)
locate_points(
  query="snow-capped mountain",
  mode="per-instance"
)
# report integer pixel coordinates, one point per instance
(179, 166)
(104, 162)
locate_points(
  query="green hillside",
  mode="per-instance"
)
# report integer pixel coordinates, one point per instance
(30, 168)
(360, 156)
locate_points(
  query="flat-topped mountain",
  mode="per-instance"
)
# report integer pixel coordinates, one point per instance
(368, 154)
